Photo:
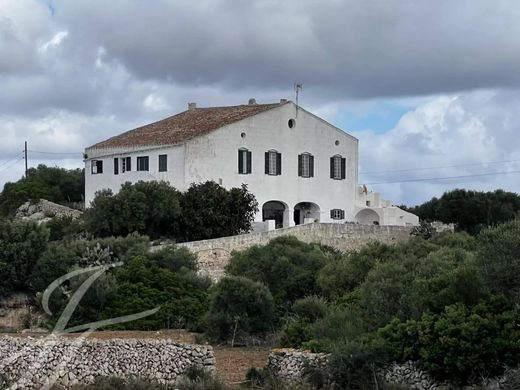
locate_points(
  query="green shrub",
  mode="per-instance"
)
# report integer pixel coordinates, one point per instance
(354, 365)
(239, 307)
(21, 245)
(286, 265)
(498, 259)
(460, 344)
(210, 210)
(150, 208)
(64, 228)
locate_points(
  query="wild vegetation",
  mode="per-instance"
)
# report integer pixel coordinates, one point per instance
(449, 302)
(471, 211)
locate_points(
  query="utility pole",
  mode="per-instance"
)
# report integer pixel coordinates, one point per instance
(25, 157)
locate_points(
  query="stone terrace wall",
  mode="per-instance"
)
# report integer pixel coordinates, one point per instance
(213, 255)
(34, 362)
(291, 365)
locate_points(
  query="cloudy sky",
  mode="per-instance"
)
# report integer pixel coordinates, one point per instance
(431, 89)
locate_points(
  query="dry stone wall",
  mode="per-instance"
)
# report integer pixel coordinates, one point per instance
(292, 365)
(213, 255)
(32, 363)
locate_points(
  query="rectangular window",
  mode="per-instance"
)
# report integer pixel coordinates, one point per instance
(116, 166)
(143, 163)
(126, 164)
(163, 162)
(96, 167)
(306, 165)
(338, 167)
(273, 163)
(244, 162)
(337, 214)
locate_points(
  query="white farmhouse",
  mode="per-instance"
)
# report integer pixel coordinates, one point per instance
(300, 168)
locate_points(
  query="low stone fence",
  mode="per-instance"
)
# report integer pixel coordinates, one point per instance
(213, 255)
(292, 365)
(32, 363)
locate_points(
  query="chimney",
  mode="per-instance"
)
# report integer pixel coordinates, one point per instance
(192, 106)
(283, 101)
(252, 101)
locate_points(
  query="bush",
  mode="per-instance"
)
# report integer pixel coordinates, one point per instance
(286, 265)
(354, 365)
(52, 183)
(150, 208)
(460, 344)
(21, 245)
(210, 211)
(64, 228)
(239, 307)
(498, 259)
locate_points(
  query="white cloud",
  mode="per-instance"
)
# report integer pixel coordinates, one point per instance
(54, 41)
(471, 128)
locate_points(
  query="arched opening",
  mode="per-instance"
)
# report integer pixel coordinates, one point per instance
(274, 210)
(306, 212)
(367, 217)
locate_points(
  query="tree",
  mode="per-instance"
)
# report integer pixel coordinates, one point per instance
(211, 211)
(470, 210)
(286, 265)
(21, 245)
(150, 208)
(55, 184)
(239, 307)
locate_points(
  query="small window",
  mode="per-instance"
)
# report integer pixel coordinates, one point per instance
(116, 166)
(306, 165)
(336, 143)
(291, 123)
(163, 162)
(97, 167)
(244, 162)
(337, 214)
(243, 135)
(368, 203)
(126, 164)
(143, 163)
(273, 163)
(338, 166)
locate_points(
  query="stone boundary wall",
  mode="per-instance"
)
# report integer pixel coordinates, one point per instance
(291, 365)
(34, 362)
(213, 255)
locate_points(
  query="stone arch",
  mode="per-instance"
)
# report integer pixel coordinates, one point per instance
(367, 217)
(276, 210)
(305, 212)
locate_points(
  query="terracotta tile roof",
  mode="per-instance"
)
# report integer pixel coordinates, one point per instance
(184, 126)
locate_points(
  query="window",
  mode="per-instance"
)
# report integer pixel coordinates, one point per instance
(337, 214)
(291, 123)
(244, 161)
(306, 165)
(116, 166)
(338, 167)
(368, 203)
(126, 164)
(97, 166)
(163, 162)
(273, 163)
(142, 163)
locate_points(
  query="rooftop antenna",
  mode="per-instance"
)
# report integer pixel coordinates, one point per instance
(297, 88)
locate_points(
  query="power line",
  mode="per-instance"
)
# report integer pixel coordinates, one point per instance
(14, 162)
(439, 167)
(445, 178)
(18, 156)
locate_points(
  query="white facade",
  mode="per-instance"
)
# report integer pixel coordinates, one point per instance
(287, 197)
